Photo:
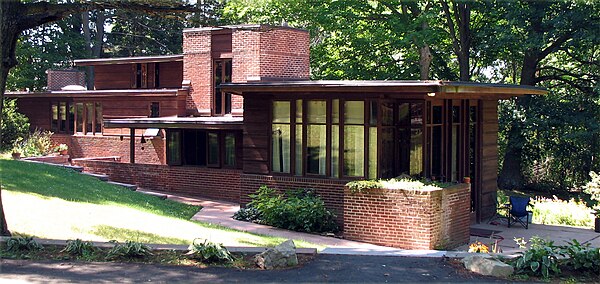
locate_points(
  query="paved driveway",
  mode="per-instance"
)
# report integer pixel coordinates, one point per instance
(325, 268)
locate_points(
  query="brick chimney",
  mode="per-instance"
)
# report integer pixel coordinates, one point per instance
(58, 79)
(258, 53)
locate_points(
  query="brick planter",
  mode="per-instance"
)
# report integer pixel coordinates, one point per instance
(408, 219)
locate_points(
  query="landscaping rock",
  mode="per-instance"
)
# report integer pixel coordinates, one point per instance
(281, 256)
(487, 266)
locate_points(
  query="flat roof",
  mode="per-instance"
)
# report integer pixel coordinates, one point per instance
(173, 122)
(394, 86)
(95, 93)
(128, 60)
(241, 27)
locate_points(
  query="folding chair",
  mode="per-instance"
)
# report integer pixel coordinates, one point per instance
(518, 210)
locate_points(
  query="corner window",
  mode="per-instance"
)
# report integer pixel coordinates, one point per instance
(62, 117)
(222, 74)
(280, 133)
(195, 147)
(88, 118)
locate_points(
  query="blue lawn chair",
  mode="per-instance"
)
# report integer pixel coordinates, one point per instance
(518, 210)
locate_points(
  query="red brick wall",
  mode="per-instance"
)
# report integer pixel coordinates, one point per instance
(409, 219)
(285, 54)
(197, 68)
(191, 181)
(86, 146)
(330, 190)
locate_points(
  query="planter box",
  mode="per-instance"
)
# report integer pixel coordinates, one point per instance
(409, 219)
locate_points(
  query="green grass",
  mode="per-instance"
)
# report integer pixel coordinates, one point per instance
(57, 203)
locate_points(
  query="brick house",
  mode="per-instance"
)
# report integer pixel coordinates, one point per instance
(237, 110)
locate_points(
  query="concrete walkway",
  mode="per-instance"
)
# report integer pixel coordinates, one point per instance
(220, 212)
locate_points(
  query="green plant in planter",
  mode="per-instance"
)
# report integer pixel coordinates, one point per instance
(61, 147)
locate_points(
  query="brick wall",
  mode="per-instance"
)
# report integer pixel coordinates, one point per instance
(197, 68)
(57, 79)
(409, 219)
(191, 181)
(86, 146)
(330, 190)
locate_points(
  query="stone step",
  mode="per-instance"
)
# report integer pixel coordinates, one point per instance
(98, 176)
(157, 194)
(131, 187)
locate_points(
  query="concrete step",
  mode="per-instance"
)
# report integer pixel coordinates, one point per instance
(75, 168)
(131, 187)
(157, 194)
(98, 176)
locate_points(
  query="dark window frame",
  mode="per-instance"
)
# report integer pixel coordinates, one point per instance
(221, 101)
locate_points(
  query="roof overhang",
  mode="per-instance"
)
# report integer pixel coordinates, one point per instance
(222, 122)
(128, 60)
(430, 88)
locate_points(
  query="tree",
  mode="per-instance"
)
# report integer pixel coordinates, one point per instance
(17, 16)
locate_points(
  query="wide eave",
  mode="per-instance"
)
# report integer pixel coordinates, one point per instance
(128, 60)
(96, 93)
(223, 122)
(440, 89)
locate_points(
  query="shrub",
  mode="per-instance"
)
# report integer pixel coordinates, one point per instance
(363, 186)
(298, 210)
(541, 259)
(38, 143)
(582, 257)
(248, 214)
(209, 252)
(593, 189)
(79, 248)
(558, 212)
(128, 250)
(22, 244)
(14, 124)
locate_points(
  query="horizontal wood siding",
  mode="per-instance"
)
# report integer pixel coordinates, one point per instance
(112, 77)
(37, 110)
(170, 74)
(256, 139)
(489, 160)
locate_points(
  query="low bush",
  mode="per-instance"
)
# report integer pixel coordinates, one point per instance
(298, 210)
(541, 259)
(20, 244)
(14, 124)
(128, 250)
(79, 248)
(559, 212)
(582, 257)
(248, 214)
(363, 186)
(209, 252)
(37, 143)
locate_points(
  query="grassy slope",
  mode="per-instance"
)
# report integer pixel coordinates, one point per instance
(52, 202)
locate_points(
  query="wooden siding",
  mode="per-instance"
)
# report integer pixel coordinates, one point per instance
(171, 74)
(489, 157)
(110, 77)
(256, 139)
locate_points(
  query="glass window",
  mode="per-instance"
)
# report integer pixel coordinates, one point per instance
(373, 110)
(299, 111)
(154, 109)
(387, 114)
(79, 124)
(281, 148)
(174, 147)
(354, 112)
(416, 152)
(98, 121)
(354, 150)
(54, 125)
(89, 109)
(281, 112)
(229, 149)
(416, 114)
(387, 160)
(213, 149)
(316, 111)
(299, 155)
(316, 147)
(63, 116)
(335, 150)
(372, 152)
(335, 111)
(436, 114)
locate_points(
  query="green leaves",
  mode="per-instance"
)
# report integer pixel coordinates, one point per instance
(209, 252)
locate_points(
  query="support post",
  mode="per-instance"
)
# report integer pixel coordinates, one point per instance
(132, 145)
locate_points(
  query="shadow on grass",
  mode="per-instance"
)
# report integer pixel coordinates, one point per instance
(51, 181)
(122, 235)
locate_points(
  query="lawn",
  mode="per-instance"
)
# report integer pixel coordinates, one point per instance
(57, 203)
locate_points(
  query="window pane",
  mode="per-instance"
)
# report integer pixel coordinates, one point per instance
(455, 114)
(316, 149)
(373, 112)
(281, 148)
(227, 103)
(416, 152)
(354, 150)
(416, 113)
(174, 147)
(89, 109)
(299, 156)
(386, 164)
(316, 111)
(436, 114)
(79, 108)
(154, 109)
(454, 152)
(335, 109)
(54, 125)
(281, 111)
(98, 118)
(436, 152)
(372, 152)
(335, 150)
(473, 114)
(229, 149)
(354, 112)
(213, 148)
(387, 113)
(63, 116)
(71, 117)
(299, 111)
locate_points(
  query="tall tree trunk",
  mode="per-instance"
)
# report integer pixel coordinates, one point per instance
(9, 33)
(461, 43)
(511, 176)
(425, 57)
(87, 37)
